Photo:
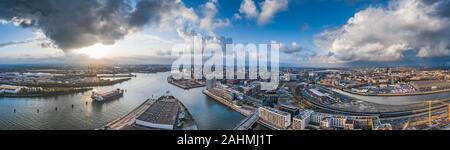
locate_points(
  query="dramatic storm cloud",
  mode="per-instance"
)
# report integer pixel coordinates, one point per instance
(420, 27)
(81, 23)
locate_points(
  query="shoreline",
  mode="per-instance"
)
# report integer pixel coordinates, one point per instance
(77, 85)
(184, 86)
(227, 103)
(49, 94)
(128, 119)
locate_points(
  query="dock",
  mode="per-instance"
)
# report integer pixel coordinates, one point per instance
(130, 118)
(156, 114)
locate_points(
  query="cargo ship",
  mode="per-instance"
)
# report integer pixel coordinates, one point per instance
(114, 94)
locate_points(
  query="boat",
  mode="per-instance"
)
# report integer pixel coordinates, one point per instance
(114, 94)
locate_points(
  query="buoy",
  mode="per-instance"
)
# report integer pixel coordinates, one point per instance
(14, 110)
(72, 105)
(37, 110)
(56, 108)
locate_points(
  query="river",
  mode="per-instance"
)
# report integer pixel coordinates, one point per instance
(208, 113)
(398, 100)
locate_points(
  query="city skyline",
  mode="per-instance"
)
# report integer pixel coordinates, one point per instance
(347, 33)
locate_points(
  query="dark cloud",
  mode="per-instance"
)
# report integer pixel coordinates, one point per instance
(152, 10)
(73, 24)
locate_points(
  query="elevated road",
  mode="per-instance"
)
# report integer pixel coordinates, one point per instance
(247, 122)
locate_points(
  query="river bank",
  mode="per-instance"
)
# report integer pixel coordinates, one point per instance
(72, 85)
(47, 92)
(229, 104)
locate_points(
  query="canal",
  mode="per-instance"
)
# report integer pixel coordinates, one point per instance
(58, 113)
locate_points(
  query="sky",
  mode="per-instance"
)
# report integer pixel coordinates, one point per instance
(328, 33)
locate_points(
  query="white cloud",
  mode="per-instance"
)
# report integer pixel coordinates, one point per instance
(386, 34)
(222, 23)
(237, 16)
(2, 21)
(269, 8)
(248, 8)
(208, 22)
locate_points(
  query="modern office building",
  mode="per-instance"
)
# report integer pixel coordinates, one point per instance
(317, 117)
(210, 83)
(364, 123)
(278, 118)
(270, 98)
(325, 123)
(349, 124)
(338, 121)
(223, 93)
(294, 111)
(302, 120)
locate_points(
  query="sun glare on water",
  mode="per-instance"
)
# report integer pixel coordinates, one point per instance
(97, 51)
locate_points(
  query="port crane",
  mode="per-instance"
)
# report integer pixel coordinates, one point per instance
(430, 110)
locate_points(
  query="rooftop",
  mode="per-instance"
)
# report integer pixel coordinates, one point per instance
(163, 111)
(304, 114)
(276, 111)
(317, 92)
(9, 87)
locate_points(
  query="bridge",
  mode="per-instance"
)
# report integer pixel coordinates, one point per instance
(247, 122)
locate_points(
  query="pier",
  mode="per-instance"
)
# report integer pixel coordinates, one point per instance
(129, 118)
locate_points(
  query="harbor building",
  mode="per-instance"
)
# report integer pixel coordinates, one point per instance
(163, 114)
(9, 89)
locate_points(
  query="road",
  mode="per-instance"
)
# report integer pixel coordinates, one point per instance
(130, 118)
(247, 122)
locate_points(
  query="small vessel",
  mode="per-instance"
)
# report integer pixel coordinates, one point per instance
(114, 94)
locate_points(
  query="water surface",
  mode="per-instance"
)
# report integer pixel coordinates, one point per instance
(208, 113)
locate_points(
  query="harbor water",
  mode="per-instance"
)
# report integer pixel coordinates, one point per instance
(78, 111)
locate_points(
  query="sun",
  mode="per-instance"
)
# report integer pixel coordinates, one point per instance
(97, 51)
